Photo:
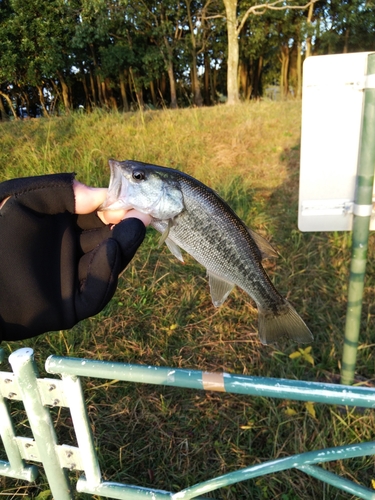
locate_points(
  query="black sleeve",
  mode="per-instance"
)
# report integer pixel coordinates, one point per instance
(56, 267)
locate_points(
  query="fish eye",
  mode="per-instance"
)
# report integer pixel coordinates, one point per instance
(138, 175)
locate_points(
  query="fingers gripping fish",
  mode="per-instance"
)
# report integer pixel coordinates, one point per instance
(194, 218)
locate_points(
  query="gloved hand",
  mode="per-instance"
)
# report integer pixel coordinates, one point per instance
(56, 267)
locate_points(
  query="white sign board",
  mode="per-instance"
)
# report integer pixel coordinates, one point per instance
(332, 108)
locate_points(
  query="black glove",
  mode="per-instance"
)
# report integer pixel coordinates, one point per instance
(56, 267)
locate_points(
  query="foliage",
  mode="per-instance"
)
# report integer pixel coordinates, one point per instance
(64, 54)
(346, 26)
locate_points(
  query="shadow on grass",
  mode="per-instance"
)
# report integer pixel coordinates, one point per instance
(315, 269)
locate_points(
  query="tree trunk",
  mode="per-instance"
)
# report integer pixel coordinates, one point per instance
(103, 93)
(87, 93)
(153, 94)
(57, 93)
(213, 85)
(284, 71)
(26, 102)
(3, 114)
(137, 90)
(98, 81)
(243, 73)
(110, 100)
(197, 95)
(299, 70)
(257, 90)
(93, 89)
(163, 85)
(207, 71)
(170, 71)
(124, 97)
(172, 84)
(65, 92)
(233, 51)
(308, 39)
(195, 87)
(292, 78)
(42, 101)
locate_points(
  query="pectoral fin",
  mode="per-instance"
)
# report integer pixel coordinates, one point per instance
(165, 233)
(265, 248)
(220, 289)
(175, 249)
(164, 228)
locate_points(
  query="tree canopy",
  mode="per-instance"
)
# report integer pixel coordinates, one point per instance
(61, 55)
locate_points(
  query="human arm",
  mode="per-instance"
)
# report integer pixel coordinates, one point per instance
(59, 259)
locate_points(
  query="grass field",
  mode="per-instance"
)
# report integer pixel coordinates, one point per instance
(162, 313)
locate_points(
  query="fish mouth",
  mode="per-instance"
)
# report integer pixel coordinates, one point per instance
(117, 189)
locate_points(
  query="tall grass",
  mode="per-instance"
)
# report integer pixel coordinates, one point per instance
(162, 313)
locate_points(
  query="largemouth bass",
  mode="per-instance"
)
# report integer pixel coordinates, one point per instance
(192, 217)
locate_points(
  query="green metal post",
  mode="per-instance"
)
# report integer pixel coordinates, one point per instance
(77, 406)
(22, 362)
(16, 467)
(361, 224)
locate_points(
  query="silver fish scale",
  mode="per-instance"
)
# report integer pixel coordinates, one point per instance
(219, 241)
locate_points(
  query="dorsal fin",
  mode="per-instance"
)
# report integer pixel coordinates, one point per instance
(265, 248)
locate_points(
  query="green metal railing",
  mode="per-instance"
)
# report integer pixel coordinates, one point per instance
(38, 394)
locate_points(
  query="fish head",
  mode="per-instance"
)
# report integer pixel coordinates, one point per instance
(148, 188)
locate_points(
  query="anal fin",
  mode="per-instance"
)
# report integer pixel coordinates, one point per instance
(220, 289)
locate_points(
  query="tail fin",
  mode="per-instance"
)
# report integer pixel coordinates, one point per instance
(285, 323)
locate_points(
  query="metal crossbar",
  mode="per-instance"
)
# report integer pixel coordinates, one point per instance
(39, 394)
